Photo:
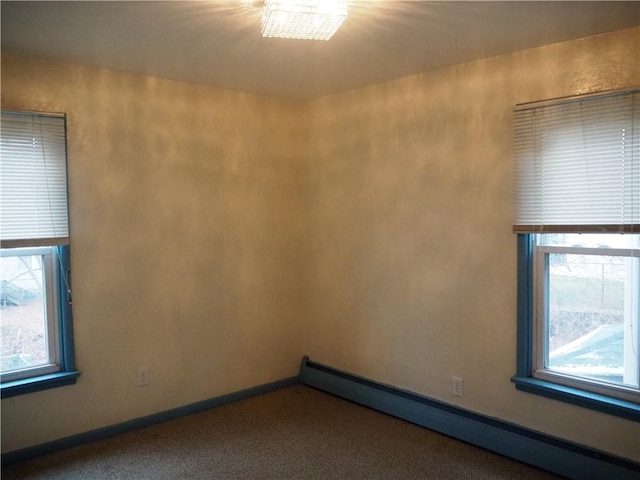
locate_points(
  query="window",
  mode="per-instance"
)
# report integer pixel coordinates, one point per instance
(586, 313)
(577, 196)
(35, 281)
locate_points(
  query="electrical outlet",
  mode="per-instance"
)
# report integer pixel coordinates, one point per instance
(143, 376)
(456, 386)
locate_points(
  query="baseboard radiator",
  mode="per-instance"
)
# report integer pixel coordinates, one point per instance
(543, 451)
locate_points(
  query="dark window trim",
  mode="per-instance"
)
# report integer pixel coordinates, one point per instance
(523, 379)
(37, 384)
(68, 373)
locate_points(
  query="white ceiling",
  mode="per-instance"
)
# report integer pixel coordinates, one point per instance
(218, 42)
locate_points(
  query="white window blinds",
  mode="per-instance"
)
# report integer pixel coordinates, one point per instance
(577, 164)
(33, 180)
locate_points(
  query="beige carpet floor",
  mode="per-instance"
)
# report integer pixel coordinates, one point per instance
(294, 433)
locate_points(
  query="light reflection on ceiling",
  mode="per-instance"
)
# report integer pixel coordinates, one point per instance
(219, 42)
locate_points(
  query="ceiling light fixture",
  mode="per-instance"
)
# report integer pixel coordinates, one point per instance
(303, 19)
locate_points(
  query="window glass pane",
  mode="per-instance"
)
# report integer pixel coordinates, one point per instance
(592, 328)
(23, 319)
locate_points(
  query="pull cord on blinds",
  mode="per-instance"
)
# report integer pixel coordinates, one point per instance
(577, 165)
(33, 180)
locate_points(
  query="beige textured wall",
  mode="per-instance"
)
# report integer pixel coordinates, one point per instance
(184, 213)
(411, 255)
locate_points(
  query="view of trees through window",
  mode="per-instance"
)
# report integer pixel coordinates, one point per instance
(592, 306)
(22, 313)
(586, 292)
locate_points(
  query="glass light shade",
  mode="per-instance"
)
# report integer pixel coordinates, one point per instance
(303, 19)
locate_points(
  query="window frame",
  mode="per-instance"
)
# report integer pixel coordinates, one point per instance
(524, 379)
(66, 373)
(541, 293)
